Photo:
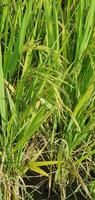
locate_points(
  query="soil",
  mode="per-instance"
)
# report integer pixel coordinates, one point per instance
(43, 191)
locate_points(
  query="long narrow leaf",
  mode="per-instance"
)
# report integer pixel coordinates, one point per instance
(2, 93)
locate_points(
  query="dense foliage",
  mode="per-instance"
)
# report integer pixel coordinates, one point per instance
(47, 102)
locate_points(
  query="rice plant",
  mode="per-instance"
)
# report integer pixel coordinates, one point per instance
(47, 98)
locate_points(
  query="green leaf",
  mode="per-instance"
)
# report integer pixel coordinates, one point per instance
(35, 123)
(2, 93)
(82, 102)
(25, 24)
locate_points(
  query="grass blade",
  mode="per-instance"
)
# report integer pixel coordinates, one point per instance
(2, 93)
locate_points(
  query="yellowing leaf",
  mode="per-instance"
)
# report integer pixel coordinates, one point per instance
(35, 166)
(9, 86)
(38, 170)
(44, 163)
